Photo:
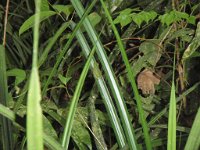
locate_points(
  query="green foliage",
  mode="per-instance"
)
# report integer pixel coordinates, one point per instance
(143, 16)
(66, 9)
(30, 22)
(193, 45)
(176, 16)
(106, 105)
(193, 139)
(19, 74)
(126, 16)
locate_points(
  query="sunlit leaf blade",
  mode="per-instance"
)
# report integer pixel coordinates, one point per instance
(34, 110)
(171, 143)
(133, 83)
(74, 102)
(107, 99)
(34, 113)
(193, 142)
(30, 22)
(109, 74)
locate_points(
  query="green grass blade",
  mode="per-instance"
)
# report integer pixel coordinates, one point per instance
(163, 111)
(51, 42)
(107, 100)
(74, 103)
(48, 141)
(109, 74)
(66, 47)
(5, 123)
(171, 141)
(193, 141)
(132, 81)
(34, 111)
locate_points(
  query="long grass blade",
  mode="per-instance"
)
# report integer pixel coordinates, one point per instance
(193, 141)
(66, 47)
(171, 141)
(51, 42)
(74, 103)
(110, 75)
(48, 140)
(107, 100)
(34, 111)
(132, 81)
(5, 123)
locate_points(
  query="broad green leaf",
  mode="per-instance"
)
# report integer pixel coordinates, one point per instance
(63, 79)
(44, 5)
(193, 142)
(124, 18)
(81, 136)
(173, 16)
(66, 9)
(94, 18)
(181, 15)
(143, 16)
(19, 74)
(30, 21)
(193, 45)
(167, 18)
(191, 20)
(151, 51)
(48, 128)
(137, 19)
(185, 34)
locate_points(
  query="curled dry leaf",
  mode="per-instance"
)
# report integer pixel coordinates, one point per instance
(146, 81)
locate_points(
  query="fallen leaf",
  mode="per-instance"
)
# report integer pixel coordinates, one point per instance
(146, 81)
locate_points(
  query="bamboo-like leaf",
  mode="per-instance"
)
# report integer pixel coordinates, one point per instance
(193, 141)
(107, 100)
(74, 102)
(34, 111)
(133, 83)
(109, 74)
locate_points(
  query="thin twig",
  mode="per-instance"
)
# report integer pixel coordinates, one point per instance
(5, 23)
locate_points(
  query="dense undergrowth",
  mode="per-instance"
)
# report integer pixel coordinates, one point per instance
(100, 75)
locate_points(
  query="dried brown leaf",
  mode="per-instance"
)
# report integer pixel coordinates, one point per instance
(146, 81)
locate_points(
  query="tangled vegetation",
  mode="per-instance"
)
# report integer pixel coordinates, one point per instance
(100, 75)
